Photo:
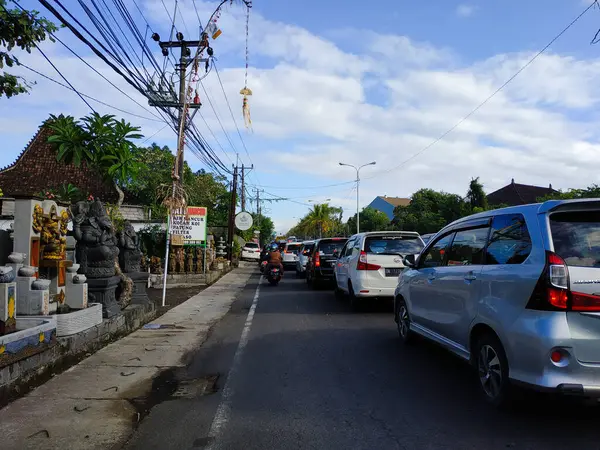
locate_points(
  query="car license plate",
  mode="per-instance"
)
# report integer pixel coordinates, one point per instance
(392, 272)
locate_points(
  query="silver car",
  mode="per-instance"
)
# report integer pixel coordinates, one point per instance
(516, 292)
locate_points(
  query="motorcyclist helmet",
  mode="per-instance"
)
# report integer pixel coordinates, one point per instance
(274, 247)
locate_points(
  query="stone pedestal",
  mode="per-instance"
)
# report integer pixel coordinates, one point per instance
(140, 283)
(102, 290)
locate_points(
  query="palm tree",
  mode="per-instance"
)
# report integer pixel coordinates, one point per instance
(322, 218)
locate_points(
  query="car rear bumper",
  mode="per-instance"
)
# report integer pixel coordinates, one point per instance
(533, 338)
(366, 291)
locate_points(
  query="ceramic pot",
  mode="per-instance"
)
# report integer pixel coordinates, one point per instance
(16, 258)
(74, 268)
(79, 279)
(27, 271)
(40, 285)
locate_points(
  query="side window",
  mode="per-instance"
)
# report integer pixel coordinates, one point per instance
(435, 255)
(468, 247)
(346, 250)
(510, 242)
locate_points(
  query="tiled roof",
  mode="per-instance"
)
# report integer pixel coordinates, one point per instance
(515, 194)
(396, 201)
(37, 169)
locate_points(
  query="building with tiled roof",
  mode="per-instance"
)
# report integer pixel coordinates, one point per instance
(515, 194)
(37, 170)
(387, 204)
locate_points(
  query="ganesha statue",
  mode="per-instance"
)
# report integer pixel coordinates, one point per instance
(129, 249)
(97, 249)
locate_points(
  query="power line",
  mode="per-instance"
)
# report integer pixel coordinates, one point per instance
(89, 96)
(492, 95)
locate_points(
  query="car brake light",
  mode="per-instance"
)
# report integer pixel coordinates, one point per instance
(552, 290)
(317, 260)
(363, 264)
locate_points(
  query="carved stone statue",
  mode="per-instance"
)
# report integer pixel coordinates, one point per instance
(54, 230)
(96, 241)
(181, 260)
(199, 260)
(129, 252)
(172, 261)
(190, 261)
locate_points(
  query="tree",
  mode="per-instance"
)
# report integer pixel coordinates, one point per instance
(370, 220)
(429, 211)
(592, 191)
(263, 224)
(22, 29)
(322, 221)
(476, 196)
(102, 142)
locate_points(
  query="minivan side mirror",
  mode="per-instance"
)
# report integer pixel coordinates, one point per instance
(410, 261)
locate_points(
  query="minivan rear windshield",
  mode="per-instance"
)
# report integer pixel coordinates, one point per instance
(251, 245)
(331, 247)
(393, 245)
(293, 248)
(576, 237)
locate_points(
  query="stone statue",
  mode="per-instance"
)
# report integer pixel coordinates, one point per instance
(172, 261)
(180, 260)
(129, 252)
(199, 260)
(190, 261)
(96, 241)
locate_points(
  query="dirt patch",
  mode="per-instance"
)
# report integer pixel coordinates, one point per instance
(175, 297)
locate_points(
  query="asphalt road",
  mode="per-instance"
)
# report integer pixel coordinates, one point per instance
(315, 375)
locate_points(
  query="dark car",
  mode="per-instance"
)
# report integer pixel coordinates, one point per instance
(322, 260)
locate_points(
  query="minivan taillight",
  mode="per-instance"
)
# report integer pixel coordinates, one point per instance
(363, 264)
(552, 290)
(317, 260)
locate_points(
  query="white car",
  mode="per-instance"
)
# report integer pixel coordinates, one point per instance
(370, 263)
(303, 254)
(251, 251)
(290, 254)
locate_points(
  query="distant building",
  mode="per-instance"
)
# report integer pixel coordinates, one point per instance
(387, 204)
(515, 194)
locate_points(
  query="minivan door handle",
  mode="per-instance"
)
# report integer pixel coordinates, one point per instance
(431, 277)
(470, 276)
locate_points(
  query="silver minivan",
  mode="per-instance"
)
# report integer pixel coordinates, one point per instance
(516, 292)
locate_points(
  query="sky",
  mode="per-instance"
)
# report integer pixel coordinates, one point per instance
(355, 82)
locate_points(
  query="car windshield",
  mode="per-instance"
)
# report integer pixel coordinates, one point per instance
(576, 237)
(293, 248)
(331, 247)
(307, 248)
(393, 245)
(251, 245)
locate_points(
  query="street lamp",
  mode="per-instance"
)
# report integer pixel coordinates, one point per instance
(372, 163)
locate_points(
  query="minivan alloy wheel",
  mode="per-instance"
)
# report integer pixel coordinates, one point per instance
(490, 371)
(403, 322)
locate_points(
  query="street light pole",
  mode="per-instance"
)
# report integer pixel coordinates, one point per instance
(372, 163)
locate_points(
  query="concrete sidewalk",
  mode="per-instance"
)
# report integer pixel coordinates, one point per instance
(89, 406)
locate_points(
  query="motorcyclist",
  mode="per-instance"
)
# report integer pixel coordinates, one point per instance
(275, 259)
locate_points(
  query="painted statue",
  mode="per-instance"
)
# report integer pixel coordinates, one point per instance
(190, 261)
(129, 252)
(96, 249)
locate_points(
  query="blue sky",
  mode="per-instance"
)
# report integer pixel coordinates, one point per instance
(361, 81)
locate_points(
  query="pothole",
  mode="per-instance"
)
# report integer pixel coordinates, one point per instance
(197, 388)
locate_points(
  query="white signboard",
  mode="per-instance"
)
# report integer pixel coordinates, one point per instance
(191, 226)
(243, 221)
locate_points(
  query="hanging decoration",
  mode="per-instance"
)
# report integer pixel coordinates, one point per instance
(245, 91)
(212, 27)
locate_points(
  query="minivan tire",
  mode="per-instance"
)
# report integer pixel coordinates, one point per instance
(491, 368)
(356, 303)
(402, 318)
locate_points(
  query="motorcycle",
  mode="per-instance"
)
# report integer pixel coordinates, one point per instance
(263, 265)
(274, 276)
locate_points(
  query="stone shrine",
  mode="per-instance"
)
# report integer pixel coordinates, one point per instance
(130, 257)
(97, 253)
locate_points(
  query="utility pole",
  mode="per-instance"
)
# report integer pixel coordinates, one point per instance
(230, 224)
(243, 193)
(166, 97)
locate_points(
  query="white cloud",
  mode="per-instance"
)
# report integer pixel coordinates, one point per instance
(465, 10)
(313, 103)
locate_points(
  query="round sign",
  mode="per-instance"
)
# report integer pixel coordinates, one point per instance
(243, 221)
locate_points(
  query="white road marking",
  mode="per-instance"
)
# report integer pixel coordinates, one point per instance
(224, 410)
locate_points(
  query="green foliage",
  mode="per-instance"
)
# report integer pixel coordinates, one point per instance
(237, 248)
(592, 191)
(102, 142)
(261, 223)
(153, 240)
(476, 196)
(67, 193)
(116, 217)
(370, 220)
(322, 221)
(19, 29)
